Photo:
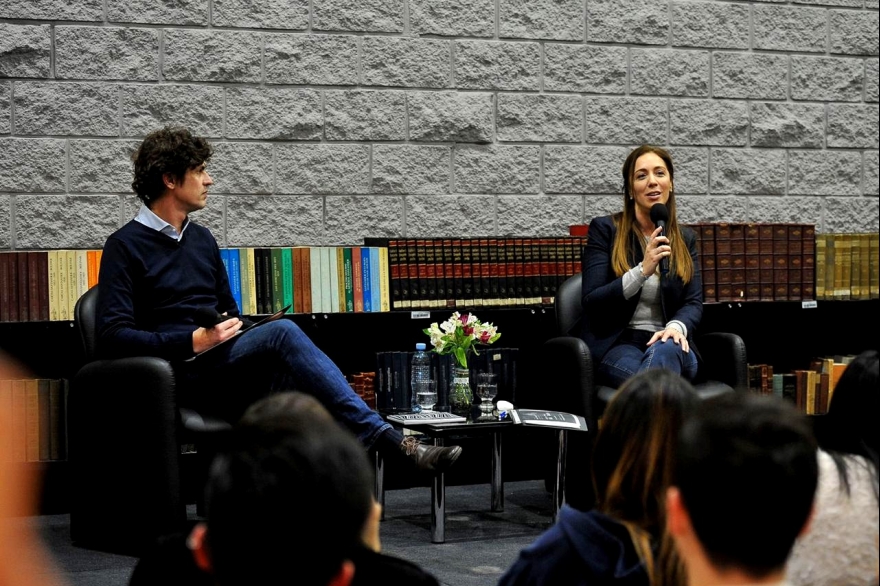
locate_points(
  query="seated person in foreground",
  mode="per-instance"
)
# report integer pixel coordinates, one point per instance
(623, 540)
(161, 269)
(289, 501)
(841, 549)
(743, 488)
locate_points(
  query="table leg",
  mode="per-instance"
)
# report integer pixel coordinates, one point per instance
(438, 503)
(559, 487)
(380, 482)
(497, 482)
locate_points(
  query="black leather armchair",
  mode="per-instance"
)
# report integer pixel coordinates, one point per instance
(567, 356)
(125, 431)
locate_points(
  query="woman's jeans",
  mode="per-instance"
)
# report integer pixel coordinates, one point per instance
(274, 357)
(630, 355)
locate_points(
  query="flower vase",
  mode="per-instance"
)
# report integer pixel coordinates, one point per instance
(460, 395)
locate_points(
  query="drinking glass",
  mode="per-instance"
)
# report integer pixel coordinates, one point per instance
(487, 388)
(427, 394)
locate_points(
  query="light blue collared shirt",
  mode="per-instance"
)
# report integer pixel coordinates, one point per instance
(146, 217)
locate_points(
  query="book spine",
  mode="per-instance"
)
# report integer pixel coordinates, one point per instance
(326, 292)
(349, 279)
(266, 280)
(82, 277)
(315, 279)
(245, 281)
(287, 278)
(23, 286)
(384, 281)
(92, 263)
(57, 447)
(340, 279)
(19, 421)
(333, 274)
(4, 287)
(375, 280)
(820, 266)
(44, 417)
(394, 272)
(252, 281)
(6, 427)
(277, 280)
(32, 420)
(366, 279)
(235, 278)
(298, 293)
(357, 277)
(33, 285)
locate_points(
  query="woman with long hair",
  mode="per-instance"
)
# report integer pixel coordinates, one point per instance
(642, 292)
(623, 540)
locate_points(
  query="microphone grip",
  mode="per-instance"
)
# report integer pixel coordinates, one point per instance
(664, 262)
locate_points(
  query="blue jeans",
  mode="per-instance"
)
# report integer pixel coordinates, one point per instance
(275, 357)
(627, 358)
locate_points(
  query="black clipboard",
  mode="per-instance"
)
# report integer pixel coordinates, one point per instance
(265, 320)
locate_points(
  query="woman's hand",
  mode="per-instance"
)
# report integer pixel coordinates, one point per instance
(673, 333)
(205, 338)
(657, 248)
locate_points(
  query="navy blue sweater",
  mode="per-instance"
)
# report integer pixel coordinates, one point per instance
(151, 286)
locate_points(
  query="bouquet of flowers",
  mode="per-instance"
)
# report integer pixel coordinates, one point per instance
(460, 335)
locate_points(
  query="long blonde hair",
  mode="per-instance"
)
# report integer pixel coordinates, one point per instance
(680, 263)
(633, 460)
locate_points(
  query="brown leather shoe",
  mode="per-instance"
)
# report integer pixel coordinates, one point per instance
(428, 457)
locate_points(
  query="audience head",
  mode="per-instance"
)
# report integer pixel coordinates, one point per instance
(169, 151)
(852, 413)
(633, 453)
(289, 497)
(745, 478)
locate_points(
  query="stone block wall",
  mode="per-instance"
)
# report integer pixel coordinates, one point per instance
(334, 120)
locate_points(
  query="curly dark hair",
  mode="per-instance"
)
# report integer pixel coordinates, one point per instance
(173, 150)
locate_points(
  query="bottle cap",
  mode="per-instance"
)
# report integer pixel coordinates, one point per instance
(420, 346)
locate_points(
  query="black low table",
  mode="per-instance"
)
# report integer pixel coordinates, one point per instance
(439, 432)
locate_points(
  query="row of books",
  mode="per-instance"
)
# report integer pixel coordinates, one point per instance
(32, 420)
(431, 273)
(757, 262)
(392, 377)
(43, 285)
(311, 279)
(847, 265)
(810, 389)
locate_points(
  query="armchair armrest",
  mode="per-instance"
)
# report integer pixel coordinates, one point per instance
(568, 362)
(724, 359)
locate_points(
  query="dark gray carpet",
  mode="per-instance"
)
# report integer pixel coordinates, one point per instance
(479, 546)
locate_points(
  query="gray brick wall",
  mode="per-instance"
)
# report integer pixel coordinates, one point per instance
(335, 120)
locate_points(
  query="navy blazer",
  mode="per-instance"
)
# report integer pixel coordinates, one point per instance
(607, 313)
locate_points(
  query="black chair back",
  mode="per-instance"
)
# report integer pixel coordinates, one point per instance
(85, 316)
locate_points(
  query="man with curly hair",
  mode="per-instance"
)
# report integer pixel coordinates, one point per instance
(161, 268)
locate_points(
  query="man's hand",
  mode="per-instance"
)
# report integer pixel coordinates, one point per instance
(205, 338)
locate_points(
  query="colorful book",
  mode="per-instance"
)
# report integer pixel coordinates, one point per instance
(332, 267)
(384, 280)
(245, 288)
(375, 280)
(340, 278)
(287, 277)
(235, 278)
(349, 279)
(326, 302)
(357, 271)
(315, 279)
(277, 280)
(366, 279)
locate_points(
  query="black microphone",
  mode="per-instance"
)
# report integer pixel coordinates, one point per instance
(660, 215)
(207, 317)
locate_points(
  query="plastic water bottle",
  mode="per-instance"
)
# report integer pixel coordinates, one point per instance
(420, 374)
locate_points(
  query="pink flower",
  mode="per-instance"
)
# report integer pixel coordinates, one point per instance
(484, 338)
(468, 330)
